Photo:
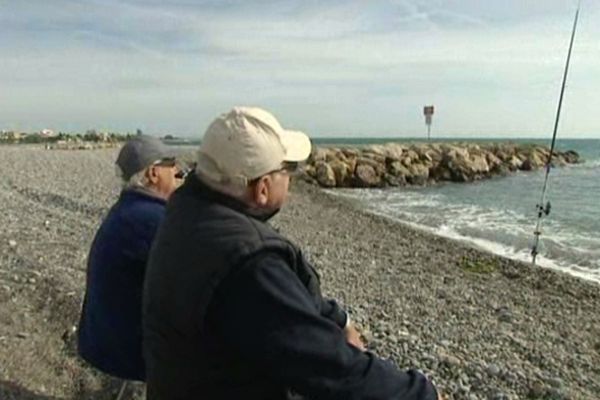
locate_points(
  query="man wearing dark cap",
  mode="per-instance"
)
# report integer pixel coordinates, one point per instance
(110, 331)
(232, 309)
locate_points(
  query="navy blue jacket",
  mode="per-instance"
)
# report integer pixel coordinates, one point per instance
(110, 330)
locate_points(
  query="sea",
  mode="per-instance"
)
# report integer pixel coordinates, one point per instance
(499, 215)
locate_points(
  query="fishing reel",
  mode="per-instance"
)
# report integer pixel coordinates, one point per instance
(543, 210)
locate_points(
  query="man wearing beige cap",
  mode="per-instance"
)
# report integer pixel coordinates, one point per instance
(232, 309)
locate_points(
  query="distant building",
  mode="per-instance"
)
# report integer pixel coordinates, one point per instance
(10, 135)
(47, 133)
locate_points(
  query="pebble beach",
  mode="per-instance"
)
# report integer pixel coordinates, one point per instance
(481, 326)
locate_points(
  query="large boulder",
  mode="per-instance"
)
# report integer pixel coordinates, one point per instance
(325, 175)
(394, 151)
(453, 153)
(377, 164)
(419, 174)
(440, 173)
(408, 157)
(513, 163)
(391, 180)
(398, 169)
(468, 169)
(350, 153)
(504, 152)
(453, 165)
(423, 151)
(493, 161)
(378, 158)
(501, 170)
(317, 154)
(479, 166)
(376, 149)
(543, 152)
(533, 161)
(342, 173)
(571, 157)
(366, 176)
(310, 170)
(335, 155)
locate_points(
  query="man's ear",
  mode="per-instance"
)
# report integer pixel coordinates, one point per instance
(152, 175)
(261, 191)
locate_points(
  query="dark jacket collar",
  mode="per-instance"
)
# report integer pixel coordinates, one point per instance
(195, 185)
(134, 193)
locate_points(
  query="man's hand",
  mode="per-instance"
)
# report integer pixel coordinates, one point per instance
(353, 337)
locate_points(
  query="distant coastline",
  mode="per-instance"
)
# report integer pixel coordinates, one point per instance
(367, 140)
(48, 136)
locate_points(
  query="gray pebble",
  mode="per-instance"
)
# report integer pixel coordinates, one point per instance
(493, 370)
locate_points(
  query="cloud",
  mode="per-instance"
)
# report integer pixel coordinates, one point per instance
(334, 67)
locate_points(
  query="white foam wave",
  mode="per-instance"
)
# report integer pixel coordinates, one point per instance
(589, 164)
(499, 231)
(508, 251)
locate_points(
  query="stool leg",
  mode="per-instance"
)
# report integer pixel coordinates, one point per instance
(122, 390)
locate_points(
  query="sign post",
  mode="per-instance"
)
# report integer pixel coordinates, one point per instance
(428, 112)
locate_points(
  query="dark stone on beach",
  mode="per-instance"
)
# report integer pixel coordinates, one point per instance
(499, 396)
(555, 394)
(449, 360)
(493, 370)
(504, 315)
(511, 273)
(555, 382)
(536, 390)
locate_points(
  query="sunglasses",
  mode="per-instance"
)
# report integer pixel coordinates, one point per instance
(289, 168)
(181, 173)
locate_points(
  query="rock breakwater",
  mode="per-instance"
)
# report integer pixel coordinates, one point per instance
(396, 164)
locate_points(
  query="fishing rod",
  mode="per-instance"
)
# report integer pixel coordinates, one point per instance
(542, 209)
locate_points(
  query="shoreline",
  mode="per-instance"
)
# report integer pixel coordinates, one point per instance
(352, 205)
(483, 245)
(481, 325)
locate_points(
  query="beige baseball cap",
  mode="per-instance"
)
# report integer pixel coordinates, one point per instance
(246, 143)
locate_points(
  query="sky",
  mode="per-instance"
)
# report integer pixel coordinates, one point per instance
(329, 68)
